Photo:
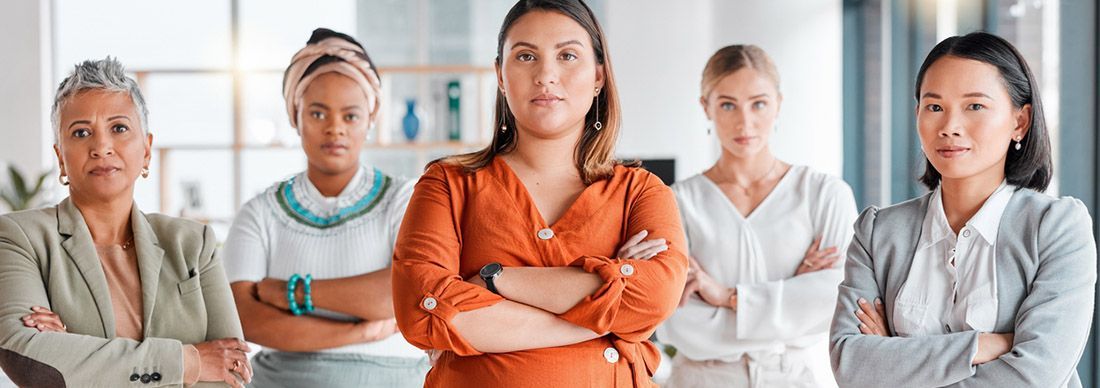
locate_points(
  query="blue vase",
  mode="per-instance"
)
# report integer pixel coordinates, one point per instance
(411, 123)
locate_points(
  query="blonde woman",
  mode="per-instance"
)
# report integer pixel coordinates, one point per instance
(764, 238)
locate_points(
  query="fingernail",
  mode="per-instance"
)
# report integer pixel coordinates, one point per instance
(30, 321)
(878, 301)
(862, 301)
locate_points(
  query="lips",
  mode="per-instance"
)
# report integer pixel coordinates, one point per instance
(334, 148)
(104, 170)
(744, 140)
(949, 152)
(546, 99)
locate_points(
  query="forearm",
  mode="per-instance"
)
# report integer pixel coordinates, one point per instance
(275, 328)
(509, 327)
(367, 296)
(554, 289)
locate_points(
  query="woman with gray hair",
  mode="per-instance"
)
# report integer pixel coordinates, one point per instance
(97, 293)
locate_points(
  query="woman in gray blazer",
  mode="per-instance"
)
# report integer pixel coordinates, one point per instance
(985, 281)
(97, 293)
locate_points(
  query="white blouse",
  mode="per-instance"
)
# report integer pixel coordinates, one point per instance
(952, 284)
(291, 228)
(759, 255)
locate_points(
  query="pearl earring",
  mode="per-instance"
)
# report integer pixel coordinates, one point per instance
(1018, 145)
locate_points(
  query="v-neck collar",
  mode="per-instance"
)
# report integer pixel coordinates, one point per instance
(586, 203)
(767, 198)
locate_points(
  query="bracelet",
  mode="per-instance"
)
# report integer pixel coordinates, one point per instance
(291, 285)
(307, 290)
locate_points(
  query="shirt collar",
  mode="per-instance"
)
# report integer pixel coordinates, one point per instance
(313, 192)
(985, 222)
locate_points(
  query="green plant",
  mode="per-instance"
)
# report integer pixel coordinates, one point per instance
(19, 196)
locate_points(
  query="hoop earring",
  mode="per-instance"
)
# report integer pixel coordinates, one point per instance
(64, 179)
(598, 125)
(145, 172)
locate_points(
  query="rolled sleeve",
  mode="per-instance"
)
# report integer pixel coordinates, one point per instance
(427, 289)
(637, 295)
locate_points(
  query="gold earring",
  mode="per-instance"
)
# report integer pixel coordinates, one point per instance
(145, 172)
(64, 179)
(598, 125)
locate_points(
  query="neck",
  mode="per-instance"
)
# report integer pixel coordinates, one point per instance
(744, 171)
(330, 184)
(108, 220)
(963, 197)
(547, 155)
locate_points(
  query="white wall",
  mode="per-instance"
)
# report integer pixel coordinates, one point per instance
(25, 92)
(804, 39)
(659, 51)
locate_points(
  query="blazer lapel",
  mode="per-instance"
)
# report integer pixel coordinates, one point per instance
(150, 257)
(80, 248)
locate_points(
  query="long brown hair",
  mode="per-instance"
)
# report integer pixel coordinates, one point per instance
(594, 155)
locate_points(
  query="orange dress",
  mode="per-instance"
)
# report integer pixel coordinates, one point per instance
(456, 223)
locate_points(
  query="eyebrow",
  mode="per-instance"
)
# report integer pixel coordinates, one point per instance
(930, 95)
(317, 104)
(971, 94)
(557, 46)
(79, 122)
(118, 117)
(721, 96)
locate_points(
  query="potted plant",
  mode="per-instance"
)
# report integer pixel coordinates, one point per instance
(20, 196)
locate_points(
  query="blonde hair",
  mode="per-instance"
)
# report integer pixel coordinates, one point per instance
(594, 155)
(730, 59)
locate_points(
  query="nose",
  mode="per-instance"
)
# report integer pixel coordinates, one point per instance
(103, 148)
(547, 74)
(336, 127)
(742, 119)
(952, 127)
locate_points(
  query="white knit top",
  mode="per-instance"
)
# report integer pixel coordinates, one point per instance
(291, 228)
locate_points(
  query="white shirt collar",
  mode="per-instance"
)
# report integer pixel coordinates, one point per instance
(986, 221)
(316, 195)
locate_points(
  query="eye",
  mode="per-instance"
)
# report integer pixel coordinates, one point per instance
(568, 57)
(759, 105)
(120, 128)
(317, 115)
(525, 57)
(727, 106)
(351, 117)
(975, 106)
(934, 108)
(80, 133)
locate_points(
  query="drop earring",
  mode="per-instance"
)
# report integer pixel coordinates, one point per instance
(598, 125)
(1018, 145)
(503, 114)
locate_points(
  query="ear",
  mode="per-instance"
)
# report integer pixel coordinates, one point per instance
(778, 102)
(1023, 122)
(706, 108)
(500, 78)
(60, 160)
(600, 75)
(148, 148)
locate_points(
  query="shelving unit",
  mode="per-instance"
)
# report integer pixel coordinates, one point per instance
(421, 149)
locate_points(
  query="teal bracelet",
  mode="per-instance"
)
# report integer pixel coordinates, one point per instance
(307, 291)
(291, 285)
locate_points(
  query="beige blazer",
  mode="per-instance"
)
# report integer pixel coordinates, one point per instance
(47, 258)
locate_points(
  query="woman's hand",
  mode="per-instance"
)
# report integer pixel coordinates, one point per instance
(872, 319)
(273, 292)
(992, 346)
(715, 294)
(635, 248)
(225, 360)
(377, 330)
(44, 320)
(817, 259)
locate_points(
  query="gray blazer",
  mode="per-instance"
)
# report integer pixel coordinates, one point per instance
(47, 258)
(1046, 274)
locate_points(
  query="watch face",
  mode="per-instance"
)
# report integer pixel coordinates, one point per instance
(491, 269)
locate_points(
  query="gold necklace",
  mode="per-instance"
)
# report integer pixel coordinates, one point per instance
(126, 245)
(745, 188)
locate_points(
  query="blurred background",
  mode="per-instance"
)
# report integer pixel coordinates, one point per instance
(211, 72)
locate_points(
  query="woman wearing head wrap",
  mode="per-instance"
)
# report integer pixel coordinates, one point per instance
(309, 257)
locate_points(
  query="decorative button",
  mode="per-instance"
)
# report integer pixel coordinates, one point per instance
(966, 232)
(611, 355)
(135, 377)
(145, 378)
(546, 234)
(155, 376)
(626, 269)
(430, 303)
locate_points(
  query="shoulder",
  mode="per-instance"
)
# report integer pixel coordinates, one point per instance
(1056, 217)
(175, 232)
(26, 226)
(817, 183)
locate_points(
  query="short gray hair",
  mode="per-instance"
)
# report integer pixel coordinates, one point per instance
(105, 74)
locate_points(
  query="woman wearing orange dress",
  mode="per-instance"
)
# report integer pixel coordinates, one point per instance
(523, 264)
